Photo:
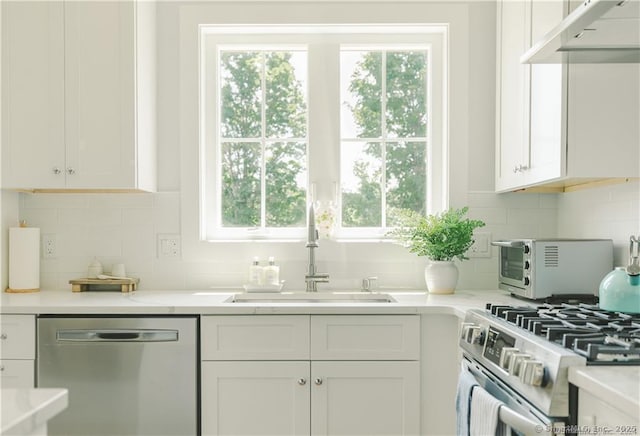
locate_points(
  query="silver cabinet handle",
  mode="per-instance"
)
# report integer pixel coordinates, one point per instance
(117, 335)
(56, 170)
(318, 381)
(3, 336)
(302, 381)
(71, 171)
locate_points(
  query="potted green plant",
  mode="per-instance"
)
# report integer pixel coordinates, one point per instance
(441, 237)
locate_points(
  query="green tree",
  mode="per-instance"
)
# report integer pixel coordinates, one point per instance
(242, 161)
(405, 117)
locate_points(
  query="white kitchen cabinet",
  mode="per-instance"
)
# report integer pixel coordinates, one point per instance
(255, 398)
(559, 125)
(593, 411)
(318, 375)
(365, 398)
(18, 351)
(79, 88)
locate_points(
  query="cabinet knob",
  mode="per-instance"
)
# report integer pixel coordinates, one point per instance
(318, 381)
(71, 171)
(302, 381)
(3, 336)
(56, 170)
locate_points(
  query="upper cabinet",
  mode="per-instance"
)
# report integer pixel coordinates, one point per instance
(79, 96)
(560, 125)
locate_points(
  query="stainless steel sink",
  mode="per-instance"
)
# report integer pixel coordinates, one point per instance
(312, 297)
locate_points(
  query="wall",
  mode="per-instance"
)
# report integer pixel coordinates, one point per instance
(605, 212)
(124, 228)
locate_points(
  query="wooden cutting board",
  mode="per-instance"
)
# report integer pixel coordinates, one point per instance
(125, 285)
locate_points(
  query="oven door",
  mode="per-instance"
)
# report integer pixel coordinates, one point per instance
(520, 416)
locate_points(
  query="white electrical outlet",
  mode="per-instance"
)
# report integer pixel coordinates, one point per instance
(49, 246)
(481, 246)
(169, 246)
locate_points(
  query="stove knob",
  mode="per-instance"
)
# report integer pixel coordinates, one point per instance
(472, 333)
(532, 372)
(465, 330)
(505, 355)
(476, 335)
(515, 363)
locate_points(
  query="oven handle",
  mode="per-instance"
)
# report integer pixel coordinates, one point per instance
(513, 419)
(510, 244)
(521, 424)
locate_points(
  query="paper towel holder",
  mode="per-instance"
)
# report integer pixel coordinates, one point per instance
(24, 259)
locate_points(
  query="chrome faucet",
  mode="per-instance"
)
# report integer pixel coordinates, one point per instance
(313, 277)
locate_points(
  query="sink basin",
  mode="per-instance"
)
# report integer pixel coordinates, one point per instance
(312, 297)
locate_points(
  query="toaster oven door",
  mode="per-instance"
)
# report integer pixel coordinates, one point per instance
(512, 263)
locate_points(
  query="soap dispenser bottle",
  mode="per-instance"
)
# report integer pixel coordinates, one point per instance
(255, 273)
(272, 273)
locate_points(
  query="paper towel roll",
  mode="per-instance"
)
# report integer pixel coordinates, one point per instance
(24, 259)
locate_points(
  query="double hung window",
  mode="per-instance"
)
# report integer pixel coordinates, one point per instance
(348, 116)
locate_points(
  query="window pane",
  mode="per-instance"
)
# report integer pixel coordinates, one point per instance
(360, 175)
(406, 113)
(286, 99)
(286, 181)
(240, 94)
(361, 94)
(406, 177)
(241, 166)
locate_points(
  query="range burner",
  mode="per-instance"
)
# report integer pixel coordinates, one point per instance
(602, 337)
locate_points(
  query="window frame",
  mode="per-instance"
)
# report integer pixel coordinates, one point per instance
(323, 169)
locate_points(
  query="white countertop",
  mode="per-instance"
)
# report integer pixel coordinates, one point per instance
(25, 411)
(213, 302)
(615, 385)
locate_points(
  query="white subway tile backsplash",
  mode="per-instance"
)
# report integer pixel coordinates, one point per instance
(53, 201)
(123, 228)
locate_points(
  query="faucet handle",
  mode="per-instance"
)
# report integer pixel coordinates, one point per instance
(368, 283)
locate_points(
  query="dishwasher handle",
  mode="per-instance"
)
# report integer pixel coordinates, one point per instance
(116, 335)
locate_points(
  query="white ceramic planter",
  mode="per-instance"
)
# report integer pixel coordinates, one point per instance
(441, 277)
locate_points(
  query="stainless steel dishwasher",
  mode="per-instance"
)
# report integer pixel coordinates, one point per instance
(125, 375)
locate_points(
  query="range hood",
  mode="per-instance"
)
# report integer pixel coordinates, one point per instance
(597, 31)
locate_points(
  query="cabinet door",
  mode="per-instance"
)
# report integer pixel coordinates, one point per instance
(18, 337)
(365, 337)
(240, 337)
(546, 158)
(100, 94)
(32, 100)
(17, 374)
(365, 398)
(592, 411)
(255, 398)
(512, 130)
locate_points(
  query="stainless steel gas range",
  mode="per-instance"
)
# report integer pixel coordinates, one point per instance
(521, 356)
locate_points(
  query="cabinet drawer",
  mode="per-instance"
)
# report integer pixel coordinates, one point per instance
(255, 337)
(17, 373)
(18, 336)
(365, 337)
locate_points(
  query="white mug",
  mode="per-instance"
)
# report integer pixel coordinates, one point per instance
(117, 270)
